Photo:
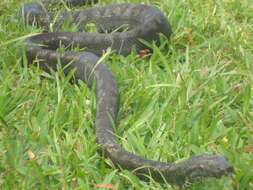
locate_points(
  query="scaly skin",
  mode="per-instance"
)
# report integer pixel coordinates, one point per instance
(145, 22)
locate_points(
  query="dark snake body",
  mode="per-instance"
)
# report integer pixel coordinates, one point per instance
(144, 22)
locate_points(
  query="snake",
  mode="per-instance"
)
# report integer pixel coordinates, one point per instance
(144, 23)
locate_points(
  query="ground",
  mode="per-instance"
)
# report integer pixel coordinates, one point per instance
(194, 95)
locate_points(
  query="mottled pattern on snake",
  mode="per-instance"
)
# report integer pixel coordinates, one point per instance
(144, 22)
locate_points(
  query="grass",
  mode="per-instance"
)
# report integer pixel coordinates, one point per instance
(194, 95)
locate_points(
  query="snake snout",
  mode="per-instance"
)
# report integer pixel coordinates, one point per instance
(221, 166)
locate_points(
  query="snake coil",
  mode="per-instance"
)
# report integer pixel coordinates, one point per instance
(144, 22)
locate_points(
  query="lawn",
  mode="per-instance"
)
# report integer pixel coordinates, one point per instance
(194, 95)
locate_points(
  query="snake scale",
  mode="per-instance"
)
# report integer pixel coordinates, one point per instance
(144, 22)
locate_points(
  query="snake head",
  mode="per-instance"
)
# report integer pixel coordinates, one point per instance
(199, 168)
